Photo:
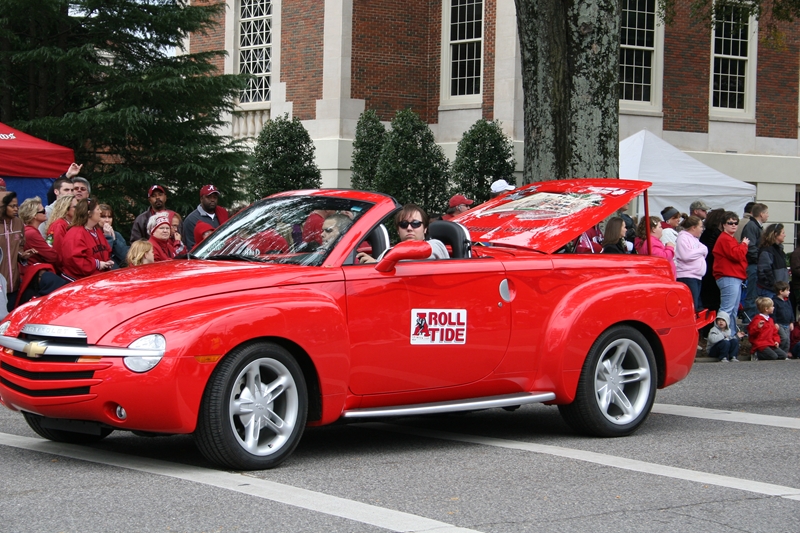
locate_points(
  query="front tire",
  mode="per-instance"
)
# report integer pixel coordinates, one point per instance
(254, 409)
(617, 386)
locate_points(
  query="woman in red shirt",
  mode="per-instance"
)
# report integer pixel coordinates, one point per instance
(60, 219)
(33, 216)
(159, 227)
(84, 250)
(730, 266)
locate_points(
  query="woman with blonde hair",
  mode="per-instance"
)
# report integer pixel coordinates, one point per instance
(33, 215)
(60, 219)
(140, 253)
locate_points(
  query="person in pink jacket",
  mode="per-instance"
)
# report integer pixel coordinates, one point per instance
(657, 248)
(690, 257)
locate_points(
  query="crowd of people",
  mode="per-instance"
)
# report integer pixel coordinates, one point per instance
(736, 267)
(44, 247)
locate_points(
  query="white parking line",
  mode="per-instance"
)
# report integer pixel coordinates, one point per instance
(727, 416)
(269, 490)
(757, 487)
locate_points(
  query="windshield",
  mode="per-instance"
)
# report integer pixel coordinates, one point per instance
(292, 230)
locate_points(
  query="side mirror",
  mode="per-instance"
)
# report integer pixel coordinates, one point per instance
(404, 251)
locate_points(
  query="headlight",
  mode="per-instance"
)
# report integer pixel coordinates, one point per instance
(143, 363)
(4, 327)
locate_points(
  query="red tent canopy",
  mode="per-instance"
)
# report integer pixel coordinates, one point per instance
(25, 156)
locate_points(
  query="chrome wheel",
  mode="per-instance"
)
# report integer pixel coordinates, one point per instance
(263, 406)
(254, 408)
(622, 381)
(617, 386)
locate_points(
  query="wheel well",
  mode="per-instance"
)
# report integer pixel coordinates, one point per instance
(656, 346)
(309, 373)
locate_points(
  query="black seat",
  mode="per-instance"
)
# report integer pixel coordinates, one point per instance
(378, 240)
(453, 234)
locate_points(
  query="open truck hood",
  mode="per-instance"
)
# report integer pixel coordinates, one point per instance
(547, 215)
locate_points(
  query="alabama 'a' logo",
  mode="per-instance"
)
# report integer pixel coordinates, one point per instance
(422, 325)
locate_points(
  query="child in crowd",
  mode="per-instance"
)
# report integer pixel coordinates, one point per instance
(784, 316)
(763, 332)
(723, 343)
(140, 253)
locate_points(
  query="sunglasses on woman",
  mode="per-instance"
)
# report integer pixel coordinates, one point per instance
(404, 224)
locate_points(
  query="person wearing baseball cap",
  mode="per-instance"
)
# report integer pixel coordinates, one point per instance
(157, 196)
(699, 209)
(499, 187)
(159, 229)
(458, 204)
(208, 211)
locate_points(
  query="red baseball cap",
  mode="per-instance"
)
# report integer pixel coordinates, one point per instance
(459, 199)
(155, 188)
(209, 189)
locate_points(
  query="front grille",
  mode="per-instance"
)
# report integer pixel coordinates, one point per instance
(67, 341)
(41, 368)
(62, 341)
(48, 358)
(47, 376)
(74, 391)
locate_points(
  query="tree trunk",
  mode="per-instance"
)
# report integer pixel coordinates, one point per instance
(570, 56)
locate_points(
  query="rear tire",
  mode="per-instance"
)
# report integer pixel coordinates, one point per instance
(617, 386)
(254, 409)
(60, 435)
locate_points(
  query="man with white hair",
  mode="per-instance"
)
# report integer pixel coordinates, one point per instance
(81, 188)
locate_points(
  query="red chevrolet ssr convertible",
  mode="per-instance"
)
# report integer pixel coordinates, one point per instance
(262, 331)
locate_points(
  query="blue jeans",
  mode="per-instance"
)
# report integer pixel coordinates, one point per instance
(749, 301)
(725, 349)
(694, 286)
(730, 290)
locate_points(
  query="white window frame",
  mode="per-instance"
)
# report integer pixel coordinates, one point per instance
(748, 114)
(261, 104)
(655, 106)
(464, 101)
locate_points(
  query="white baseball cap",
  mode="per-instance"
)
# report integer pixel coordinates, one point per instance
(502, 185)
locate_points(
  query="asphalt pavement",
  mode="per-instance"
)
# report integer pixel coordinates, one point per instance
(718, 454)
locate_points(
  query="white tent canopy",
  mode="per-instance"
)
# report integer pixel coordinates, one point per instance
(678, 179)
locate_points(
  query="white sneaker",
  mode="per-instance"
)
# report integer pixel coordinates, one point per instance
(723, 360)
(734, 359)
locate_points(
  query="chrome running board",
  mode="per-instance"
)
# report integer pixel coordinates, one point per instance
(453, 406)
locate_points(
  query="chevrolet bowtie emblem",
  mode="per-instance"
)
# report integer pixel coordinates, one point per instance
(34, 350)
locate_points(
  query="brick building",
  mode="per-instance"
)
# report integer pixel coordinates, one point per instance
(719, 94)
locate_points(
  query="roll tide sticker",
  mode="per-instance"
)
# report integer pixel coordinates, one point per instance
(438, 326)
